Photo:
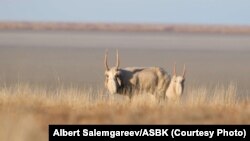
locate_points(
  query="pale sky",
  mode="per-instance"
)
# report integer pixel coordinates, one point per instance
(233, 12)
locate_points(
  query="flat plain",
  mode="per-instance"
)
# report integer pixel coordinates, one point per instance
(49, 77)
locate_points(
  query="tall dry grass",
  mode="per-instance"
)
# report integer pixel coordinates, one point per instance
(26, 112)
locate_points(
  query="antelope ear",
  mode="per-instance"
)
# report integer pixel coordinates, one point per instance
(119, 81)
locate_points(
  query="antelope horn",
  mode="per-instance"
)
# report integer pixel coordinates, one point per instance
(174, 72)
(105, 61)
(184, 71)
(117, 59)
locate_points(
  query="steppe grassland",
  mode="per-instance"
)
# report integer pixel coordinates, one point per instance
(26, 112)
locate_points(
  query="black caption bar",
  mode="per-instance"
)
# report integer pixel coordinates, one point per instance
(170, 132)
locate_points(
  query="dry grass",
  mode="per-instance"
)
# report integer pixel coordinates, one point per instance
(25, 112)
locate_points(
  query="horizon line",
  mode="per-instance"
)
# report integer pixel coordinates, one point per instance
(115, 26)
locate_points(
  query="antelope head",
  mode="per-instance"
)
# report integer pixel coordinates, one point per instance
(112, 75)
(176, 85)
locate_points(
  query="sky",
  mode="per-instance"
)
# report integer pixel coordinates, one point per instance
(226, 12)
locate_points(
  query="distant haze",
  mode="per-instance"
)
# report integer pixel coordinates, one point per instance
(46, 58)
(128, 11)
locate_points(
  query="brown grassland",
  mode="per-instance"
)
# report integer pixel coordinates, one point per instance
(26, 112)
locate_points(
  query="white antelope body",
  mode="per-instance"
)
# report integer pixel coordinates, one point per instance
(153, 80)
